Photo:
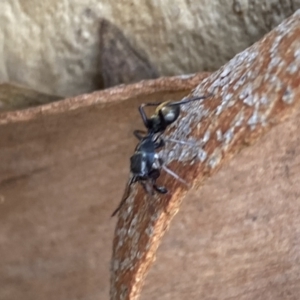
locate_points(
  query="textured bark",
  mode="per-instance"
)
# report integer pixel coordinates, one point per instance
(256, 90)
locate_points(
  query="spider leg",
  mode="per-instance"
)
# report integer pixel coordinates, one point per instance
(160, 143)
(173, 174)
(192, 99)
(146, 187)
(143, 113)
(144, 116)
(159, 189)
(139, 134)
(153, 175)
(132, 180)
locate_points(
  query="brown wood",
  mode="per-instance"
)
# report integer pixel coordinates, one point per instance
(62, 172)
(256, 90)
(63, 169)
(238, 237)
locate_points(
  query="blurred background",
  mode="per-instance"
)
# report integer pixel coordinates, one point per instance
(66, 48)
(61, 175)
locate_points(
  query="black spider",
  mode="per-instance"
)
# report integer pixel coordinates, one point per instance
(145, 164)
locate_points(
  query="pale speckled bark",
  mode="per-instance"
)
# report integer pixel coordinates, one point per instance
(238, 237)
(254, 91)
(55, 47)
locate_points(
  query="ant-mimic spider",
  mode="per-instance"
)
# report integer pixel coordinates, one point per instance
(145, 164)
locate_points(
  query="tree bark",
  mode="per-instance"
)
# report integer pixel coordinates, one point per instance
(253, 92)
